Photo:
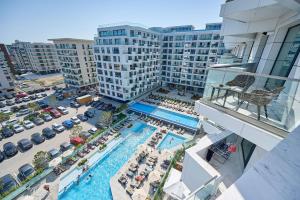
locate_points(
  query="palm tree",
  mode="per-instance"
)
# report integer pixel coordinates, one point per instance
(33, 106)
(75, 131)
(3, 117)
(40, 160)
(106, 118)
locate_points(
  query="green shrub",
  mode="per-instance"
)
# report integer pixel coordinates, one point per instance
(82, 162)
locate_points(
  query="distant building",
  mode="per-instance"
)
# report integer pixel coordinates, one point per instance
(21, 55)
(6, 80)
(8, 57)
(45, 59)
(132, 60)
(76, 59)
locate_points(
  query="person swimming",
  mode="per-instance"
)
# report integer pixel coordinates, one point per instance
(89, 177)
(171, 140)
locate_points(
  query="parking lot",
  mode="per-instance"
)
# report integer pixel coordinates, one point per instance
(11, 165)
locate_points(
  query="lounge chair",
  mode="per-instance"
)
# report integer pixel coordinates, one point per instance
(130, 174)
(129, 191)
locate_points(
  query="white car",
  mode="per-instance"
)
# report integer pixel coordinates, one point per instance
(92, 130)
(5, 111)
(28, 124)
(58, 127)
(18, 128)
(75, 120)
(63, 110)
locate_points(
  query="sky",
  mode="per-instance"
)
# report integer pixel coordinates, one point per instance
(40, 20)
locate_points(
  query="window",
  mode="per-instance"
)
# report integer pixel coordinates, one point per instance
(247, 149)
(287, 56)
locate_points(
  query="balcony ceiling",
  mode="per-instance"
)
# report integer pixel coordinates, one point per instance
(252, 14)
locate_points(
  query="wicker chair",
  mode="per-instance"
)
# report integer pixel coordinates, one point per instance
(260, 98)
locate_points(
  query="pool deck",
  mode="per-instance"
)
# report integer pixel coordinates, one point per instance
(119, 191)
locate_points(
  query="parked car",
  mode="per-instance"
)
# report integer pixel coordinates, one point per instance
(2, 156)
(65, 146)
(37, 138)
(8, 96)
(2, 105)
(44, 94)
(68, 123)
(7, 132)
(42, 104)
(23, 112)
(26, 99)
(89, 114)
(60, 97)
(38, 121)
(18, 128)
(63, 110)
(99, 125)
(85, 135)
(48, 133)
(10, 122)
(10, 149)
(58, 128)
(10, 102)
(55, 113)
(28, 124)
(74, 104)
(2, 98)
(8, 183)
(82, 117)
(21, 95)
(76, 140)
(18, 100)
(47, 117)
(92, 130)
(53, 153)
(25, 144)
(32, 97)
(25, 171)
(5, 111)
(75, 120)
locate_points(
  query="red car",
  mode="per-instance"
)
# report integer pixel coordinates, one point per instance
(21, 95)
(76, 140)
(55, 113)
(47, 109)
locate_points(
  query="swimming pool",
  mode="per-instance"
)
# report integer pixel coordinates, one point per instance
(173, 117)
(170, 141)
(98, 187)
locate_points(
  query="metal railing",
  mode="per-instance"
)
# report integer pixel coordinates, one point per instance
(272, 100)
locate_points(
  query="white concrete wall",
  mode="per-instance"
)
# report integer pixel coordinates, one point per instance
(257, 155)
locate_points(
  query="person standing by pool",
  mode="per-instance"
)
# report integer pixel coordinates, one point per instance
(78, 179)
(171, 140)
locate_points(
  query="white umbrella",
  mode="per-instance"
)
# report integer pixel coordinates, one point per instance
(27, 198)
(67, 153)
(139, 194)
(55, 161)
(154, 176)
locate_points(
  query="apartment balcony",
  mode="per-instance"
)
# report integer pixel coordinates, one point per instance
(268, 104)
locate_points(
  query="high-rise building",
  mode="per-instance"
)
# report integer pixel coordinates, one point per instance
(76, 59)
(132, 60)
(6, 80)
(45, 59)
(186, 53)
(8, 57)
(250, 110)
(21, 55)
(128, 61)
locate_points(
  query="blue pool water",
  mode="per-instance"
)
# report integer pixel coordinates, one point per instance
(177, 118)
(171, 140)
(98, 186)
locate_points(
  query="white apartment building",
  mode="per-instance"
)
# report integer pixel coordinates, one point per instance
(76, 59)
(45, 59)
(132, 60)
(6, 80)
(21, 55)
(128, 61)
(186, 53)
(250, 110)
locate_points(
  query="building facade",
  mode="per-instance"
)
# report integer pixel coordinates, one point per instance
(249, 110)
(186, 53)
(128, 61)
(76, 60)
(45, 59)
(8, 57)
(6, 79)
(21, 55)
(132, 60)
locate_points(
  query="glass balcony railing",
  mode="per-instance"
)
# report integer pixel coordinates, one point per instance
(206, 191)
(270, 101)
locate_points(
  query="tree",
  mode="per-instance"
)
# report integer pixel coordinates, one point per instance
(40, 160)
(106, 118)
(33, 106)
(75, 131)
(3, 117)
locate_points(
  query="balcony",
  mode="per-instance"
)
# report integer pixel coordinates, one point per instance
(268, 102)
